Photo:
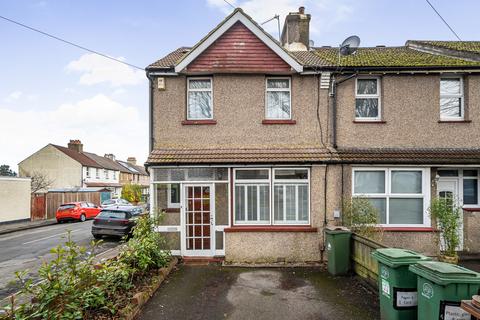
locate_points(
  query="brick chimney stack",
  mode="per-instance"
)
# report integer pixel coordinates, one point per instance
(75, 145)
(296, 31)
(110, 156)
(132, 160)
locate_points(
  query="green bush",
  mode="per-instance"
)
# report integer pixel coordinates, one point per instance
(132, 193)
(447, 213)
(361, 216)
(73, 287)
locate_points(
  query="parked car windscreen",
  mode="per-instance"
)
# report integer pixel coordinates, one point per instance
(66, 207)
(110, 214)
(107, 202)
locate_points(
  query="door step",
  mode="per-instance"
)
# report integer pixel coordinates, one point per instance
(202, 261)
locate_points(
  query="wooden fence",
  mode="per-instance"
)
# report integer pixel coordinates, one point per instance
(55, 199)
(363, 263)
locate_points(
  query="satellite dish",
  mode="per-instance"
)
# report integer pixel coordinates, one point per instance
(349, 46)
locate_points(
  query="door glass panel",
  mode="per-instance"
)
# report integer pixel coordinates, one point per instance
(198, 228)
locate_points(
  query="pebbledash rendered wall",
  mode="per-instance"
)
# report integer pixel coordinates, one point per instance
(15, 200)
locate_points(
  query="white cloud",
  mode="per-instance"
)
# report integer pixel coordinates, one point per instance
(95, 69)
(103, 125)
(325, 13)
(13, 96)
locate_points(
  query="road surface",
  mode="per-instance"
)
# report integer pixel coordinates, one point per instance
(28, 249)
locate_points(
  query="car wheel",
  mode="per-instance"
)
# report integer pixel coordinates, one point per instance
(59, 221)
(83, 218)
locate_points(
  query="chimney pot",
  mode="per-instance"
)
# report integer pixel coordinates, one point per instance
(75, 145)
(110, 156)
(132, 160)
(301, 10)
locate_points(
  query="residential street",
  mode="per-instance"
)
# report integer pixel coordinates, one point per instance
(27, 249)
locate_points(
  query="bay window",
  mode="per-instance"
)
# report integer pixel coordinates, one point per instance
(199, 96)
(278, 99)
(400, 195)
(272, 196)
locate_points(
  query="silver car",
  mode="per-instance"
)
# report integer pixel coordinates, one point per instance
(115, 203)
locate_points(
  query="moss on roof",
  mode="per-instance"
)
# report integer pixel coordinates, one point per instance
(465, 46)
(390, 57)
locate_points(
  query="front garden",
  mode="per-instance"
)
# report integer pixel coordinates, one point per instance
(75, 286)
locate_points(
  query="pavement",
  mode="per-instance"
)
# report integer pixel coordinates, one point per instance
(27, 249)
(24, 225)
(215, 292)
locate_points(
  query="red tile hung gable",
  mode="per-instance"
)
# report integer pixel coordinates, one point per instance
(238, 50)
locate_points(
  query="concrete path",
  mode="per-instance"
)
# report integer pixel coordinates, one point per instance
(210, 292)
(29, 248)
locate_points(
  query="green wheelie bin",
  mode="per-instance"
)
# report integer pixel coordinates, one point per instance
(338, 250)
(397, 285)
(441, 287)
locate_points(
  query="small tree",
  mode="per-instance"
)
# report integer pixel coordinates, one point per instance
(361, 216)
(447, 213)
(6, 171)
(132, 193)
(40, 181)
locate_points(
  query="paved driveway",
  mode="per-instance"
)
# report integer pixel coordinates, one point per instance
(213, 292)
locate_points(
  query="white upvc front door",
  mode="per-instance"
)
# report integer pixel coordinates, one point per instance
(198, 220)
(448, 187)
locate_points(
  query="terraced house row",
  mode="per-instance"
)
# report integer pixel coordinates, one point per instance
(255, 142)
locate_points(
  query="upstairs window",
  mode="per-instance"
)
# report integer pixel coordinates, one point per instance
(367, 99)
(278, 99)
(200, 99)
(105, 173)
(97, 173)
(88, 172)
(451, 98)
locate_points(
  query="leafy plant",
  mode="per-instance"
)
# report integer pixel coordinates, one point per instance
(447, 214)
(132, 193)
(73, 286)
(361, 216)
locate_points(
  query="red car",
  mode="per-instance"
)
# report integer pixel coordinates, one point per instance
(80, 211)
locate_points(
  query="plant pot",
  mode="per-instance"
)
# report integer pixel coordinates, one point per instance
(448, 259)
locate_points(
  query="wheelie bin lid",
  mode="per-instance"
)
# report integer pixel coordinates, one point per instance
(395, 257)
(445, 273)
(336, 230)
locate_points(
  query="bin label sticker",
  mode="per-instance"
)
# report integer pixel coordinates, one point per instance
(406, 299)
(385, 288)
(384, 272)
(427, 290)
(329, 246)
(455, 313)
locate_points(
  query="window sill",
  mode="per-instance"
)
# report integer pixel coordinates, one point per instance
(471, 209)
(271, 229)
(199, 122)
(279, 121)
(409, 229)
(370, 121)
(454, 121)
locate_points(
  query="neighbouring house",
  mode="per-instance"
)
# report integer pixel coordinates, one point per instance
(254, 142)
(135, 175)
(14, 199)
(72, 167)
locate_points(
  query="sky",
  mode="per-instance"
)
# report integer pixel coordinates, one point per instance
(51, 92)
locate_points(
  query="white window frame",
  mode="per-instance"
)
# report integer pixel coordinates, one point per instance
(97, 173)
(452, 96)
(460, 179)
(199, 90)
(389, 195)
(87, 172)
(251, 182)
(278, 90)
(369, 96)
(171, 204)
(105, 172)
(271, 182)
(296, 183)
